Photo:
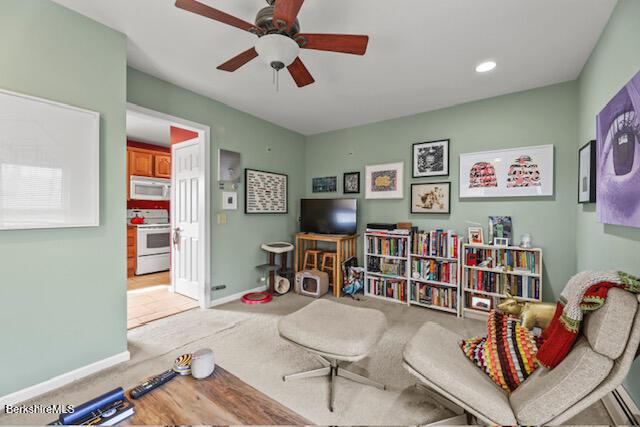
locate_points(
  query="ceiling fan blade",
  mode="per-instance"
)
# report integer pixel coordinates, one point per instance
(285, 13)
(300, 73)
(215, 14)
(343, 43)
(238, 61)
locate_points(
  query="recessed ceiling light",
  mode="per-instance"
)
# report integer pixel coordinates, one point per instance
(486, 67)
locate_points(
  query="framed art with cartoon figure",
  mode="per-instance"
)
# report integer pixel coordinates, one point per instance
(431, 198)
(618, 152)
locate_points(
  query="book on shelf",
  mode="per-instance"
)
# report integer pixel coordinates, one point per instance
(435, 270)
(388, 288)
(510, 259)
(440, 297)
(501, 283)
(436, 243)
(397, 232)
(390, 267)
(387, 246)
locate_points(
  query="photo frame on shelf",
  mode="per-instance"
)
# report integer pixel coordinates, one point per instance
(516, 172)
(500, 241)
(265, 192)
(351, 183)
(431, 198)
(476, 235)
(587, 166)
(481, 303)
(327, 184)
(500, 227)
(385, 181)
(430, 158)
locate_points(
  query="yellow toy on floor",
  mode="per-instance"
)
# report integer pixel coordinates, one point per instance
(531, 314)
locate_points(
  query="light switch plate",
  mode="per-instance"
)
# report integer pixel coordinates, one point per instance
(222, 218)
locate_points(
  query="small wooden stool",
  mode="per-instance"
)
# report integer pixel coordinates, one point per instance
(311, 259)
(332, 256)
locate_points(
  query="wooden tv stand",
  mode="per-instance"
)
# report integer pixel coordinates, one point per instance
(346, 247)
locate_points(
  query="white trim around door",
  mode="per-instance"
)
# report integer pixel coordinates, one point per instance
(205, 136)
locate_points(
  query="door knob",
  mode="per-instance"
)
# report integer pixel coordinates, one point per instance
(176, 237)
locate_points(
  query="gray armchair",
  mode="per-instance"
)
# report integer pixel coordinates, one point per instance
(596, 365)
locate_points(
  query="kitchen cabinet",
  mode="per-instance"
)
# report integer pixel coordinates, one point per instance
(162, 165)
(131, 251)
(140, 163)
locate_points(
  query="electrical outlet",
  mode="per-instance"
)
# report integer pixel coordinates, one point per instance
(219, 288)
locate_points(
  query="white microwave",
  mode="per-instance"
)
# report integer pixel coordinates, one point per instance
(144, 188)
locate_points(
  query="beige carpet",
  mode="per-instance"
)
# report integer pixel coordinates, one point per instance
(245, 341)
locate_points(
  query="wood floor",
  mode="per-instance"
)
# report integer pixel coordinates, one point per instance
(149, 298)
(148, 280)
(221, 399)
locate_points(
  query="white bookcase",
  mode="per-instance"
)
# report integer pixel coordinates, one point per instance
(442, 251)
(387, 286)
(402, 287)
(510, 269)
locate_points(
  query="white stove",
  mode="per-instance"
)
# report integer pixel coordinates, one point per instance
(153, 243)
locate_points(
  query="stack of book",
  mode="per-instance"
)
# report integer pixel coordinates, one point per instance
(388, 246)
(437, 243)
(389, 288)
(435, 270)
(440, 297)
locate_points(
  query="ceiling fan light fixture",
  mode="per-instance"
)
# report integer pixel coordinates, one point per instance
(277, 51)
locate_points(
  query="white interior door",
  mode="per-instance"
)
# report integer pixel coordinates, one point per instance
(187, 218)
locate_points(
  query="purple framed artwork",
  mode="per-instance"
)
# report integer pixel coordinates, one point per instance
(618, 154)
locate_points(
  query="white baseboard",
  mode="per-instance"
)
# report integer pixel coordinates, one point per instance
(62, 380)
(231, 298)
(621, 407)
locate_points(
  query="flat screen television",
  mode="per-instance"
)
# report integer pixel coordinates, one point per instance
(329, 216)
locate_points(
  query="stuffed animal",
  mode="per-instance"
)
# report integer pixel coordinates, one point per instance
(532, 314)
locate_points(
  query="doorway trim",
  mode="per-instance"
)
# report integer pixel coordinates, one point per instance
(203, 130)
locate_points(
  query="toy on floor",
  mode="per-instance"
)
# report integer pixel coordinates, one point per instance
(312, 283)
(353, 277)
(277, 279)
(256, 298)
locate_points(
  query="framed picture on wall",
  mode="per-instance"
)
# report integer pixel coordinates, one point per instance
(431, 159)
(265, 192)
(516, 172)
(327, 184)
(384, 181)
(432, 198)
(618, 151)
(587, 173)
(351, 182)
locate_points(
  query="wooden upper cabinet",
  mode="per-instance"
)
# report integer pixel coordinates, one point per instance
(140, 163)
(162, 165)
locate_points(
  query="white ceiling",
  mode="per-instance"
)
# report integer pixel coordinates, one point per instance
(421, 57)
(147, 129)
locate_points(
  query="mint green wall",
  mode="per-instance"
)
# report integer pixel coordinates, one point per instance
(236, 245)
(613, 63)
(62, 292)
(537, 117)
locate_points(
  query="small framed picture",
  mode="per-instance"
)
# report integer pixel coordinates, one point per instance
(351, 182)
(431, 159)
(500, 241)
(384, 181)
(587, 173)
(432, 198)
(327, 184)
(229, 201)
(481, 303)
(476, 235)
(500, 227)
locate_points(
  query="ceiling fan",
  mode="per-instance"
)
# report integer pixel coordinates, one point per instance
(280, 39)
